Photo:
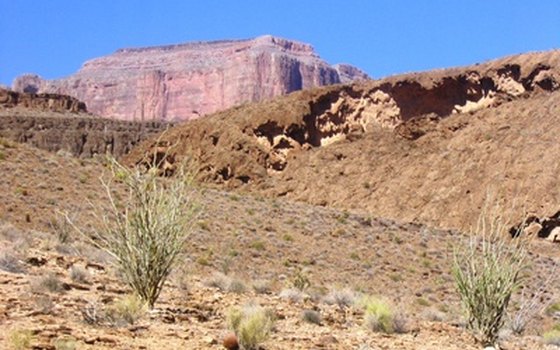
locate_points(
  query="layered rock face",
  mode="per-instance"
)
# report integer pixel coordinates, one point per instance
(57, 122)
(185, 81)
(49, 102)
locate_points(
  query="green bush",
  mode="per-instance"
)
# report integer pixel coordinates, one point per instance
(378, 316)
(487, 271)
(145, 230)
(251, 324)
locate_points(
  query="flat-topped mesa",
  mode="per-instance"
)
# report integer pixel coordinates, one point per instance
(186, 81)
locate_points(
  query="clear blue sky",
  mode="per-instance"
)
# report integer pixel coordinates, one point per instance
(53, 38)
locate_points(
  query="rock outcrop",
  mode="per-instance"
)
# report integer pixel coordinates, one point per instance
(57, 122)
(185, 81)
(45, 102)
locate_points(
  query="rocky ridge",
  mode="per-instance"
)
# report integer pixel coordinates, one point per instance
(186, 81)
(369, 142)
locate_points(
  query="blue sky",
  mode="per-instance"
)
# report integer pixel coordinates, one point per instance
(53, 38)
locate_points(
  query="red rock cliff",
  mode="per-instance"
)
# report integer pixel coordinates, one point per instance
(185, 81)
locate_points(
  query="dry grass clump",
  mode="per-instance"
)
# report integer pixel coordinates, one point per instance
(379, 316)
(340, 297)
(226, 283)
(293, 295)
(11, 263)
(79, 274)
(262, 286)
(311, 316)
(251, 324)
(552, 337)
(49, 283)
(126, 310)
(20, 339)
(64, 343)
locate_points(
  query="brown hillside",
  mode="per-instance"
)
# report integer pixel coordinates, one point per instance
(423, 146)
(261, 242)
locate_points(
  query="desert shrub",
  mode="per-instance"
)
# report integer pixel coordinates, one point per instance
(145, 229)
(226, 283)
(48, 283)
(378, 315)
(251, 324)
(237, 286)
(553, 309)
(552, 337)
(79, 274)
(293, 295)
(44, 304)
(125, 310)
(487, 271)
(10, 263)
(300, 280)
(311, 316)
(218, 280)
(530, 304)
(64, 343)
(400, 322)
(340, 297)
(262, 286)
(93, 313)
(20, 339)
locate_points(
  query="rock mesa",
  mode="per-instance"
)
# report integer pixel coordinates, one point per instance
(185, 81)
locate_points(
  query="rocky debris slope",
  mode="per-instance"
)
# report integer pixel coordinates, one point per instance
(424, 146)
(186, 81)
(259, 241)
(57, 122)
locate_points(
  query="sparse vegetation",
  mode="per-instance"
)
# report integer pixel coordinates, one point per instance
(20, 339)
(300, 280)
(341, 297)
(294, 295)
(552, 337)
(145, 231)
(252, 324)
(49, 283)
(257, 245)
(261, 286)
(126, 310)
(311, 316)
(64, 343)
(227, 283)
(378, 315)
(79, 274)
(10, 263)
(44, 304)
(487, 271)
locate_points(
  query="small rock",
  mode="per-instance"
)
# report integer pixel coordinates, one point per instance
(230, 341)
(326, 341)
(209, 340)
